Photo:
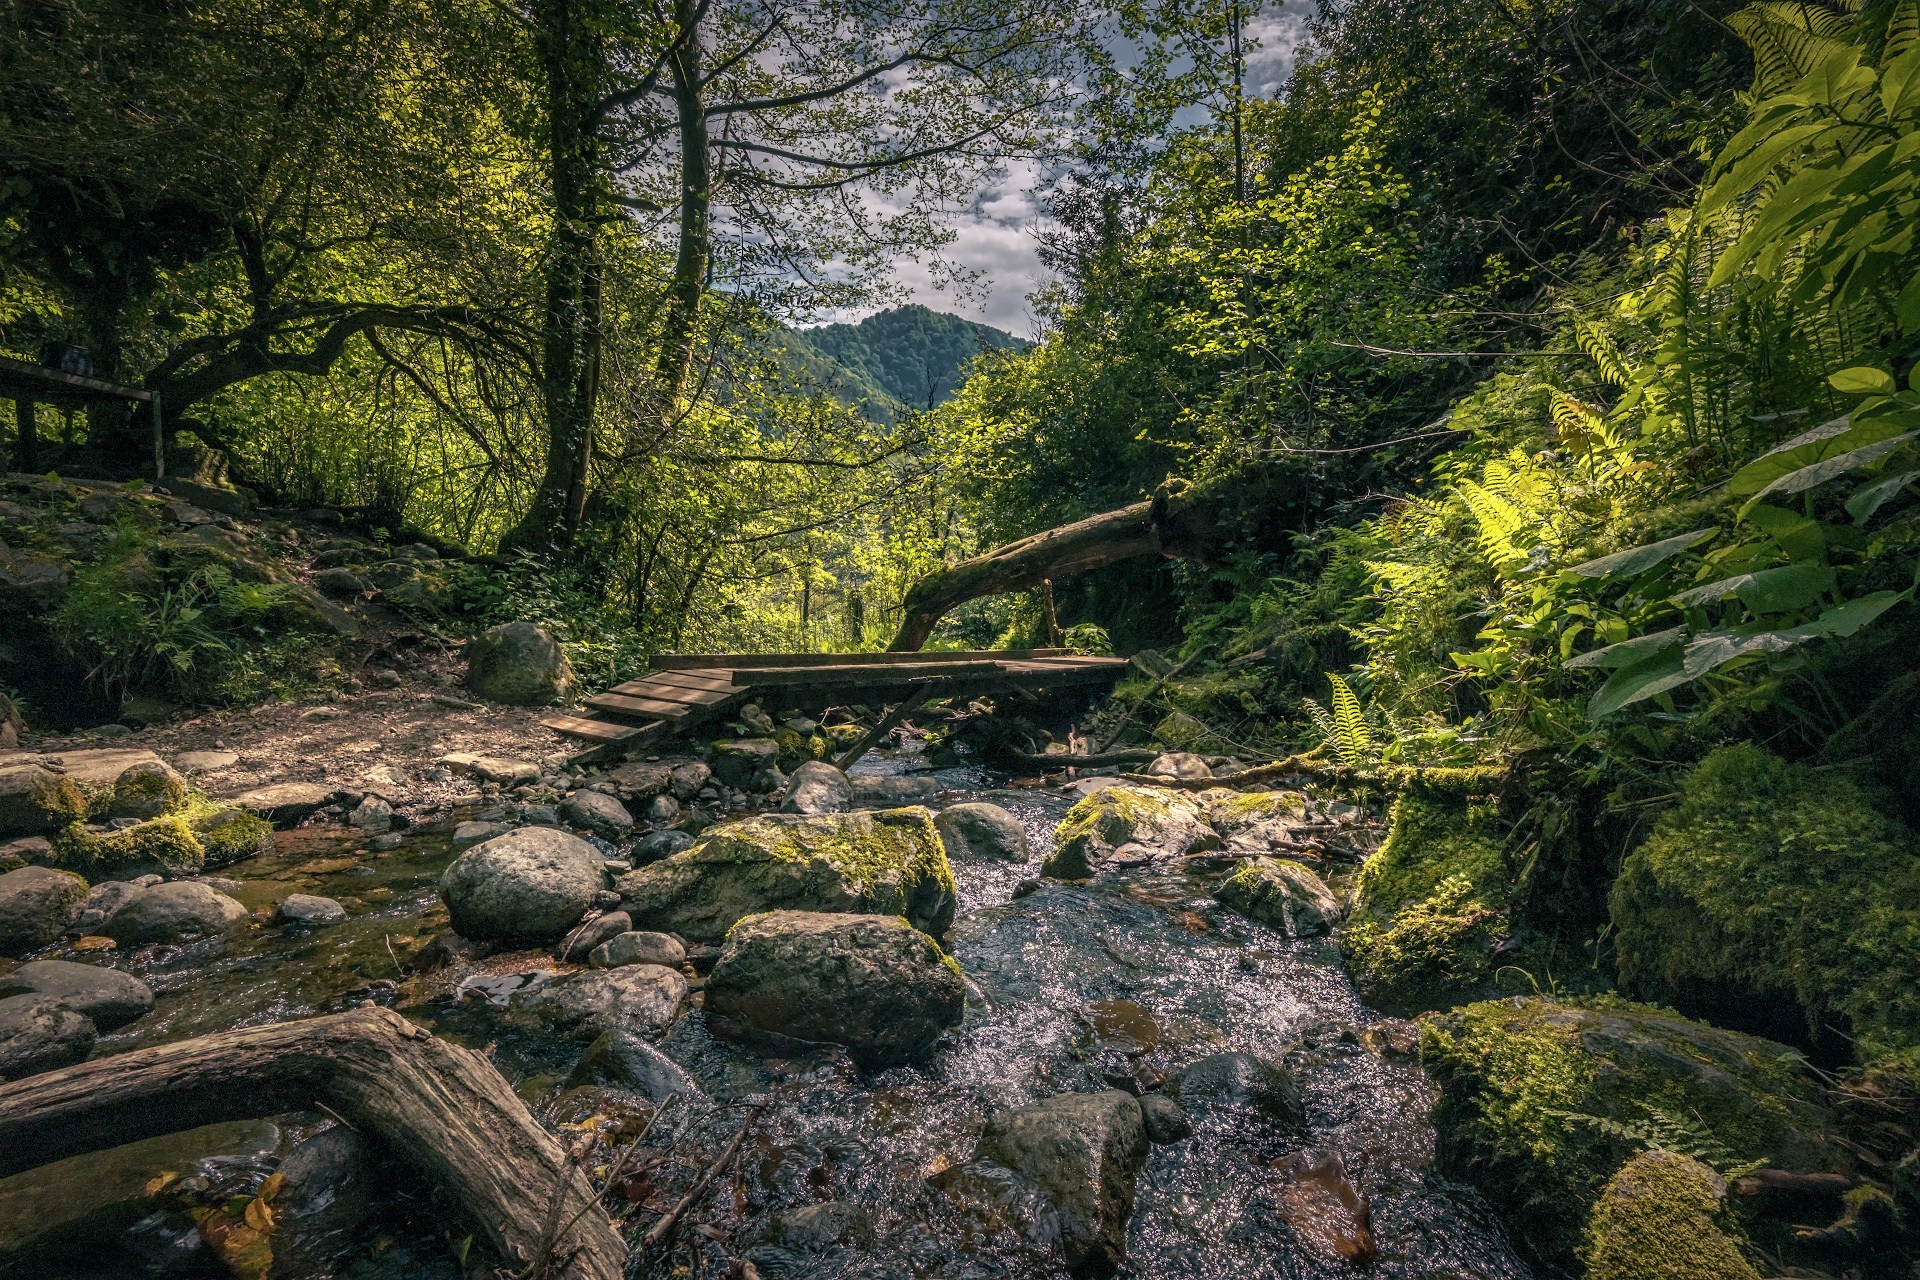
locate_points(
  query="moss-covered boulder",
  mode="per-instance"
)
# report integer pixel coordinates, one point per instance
(1660, 1218)
(202, 835)
(36, 801)
(1125, 824)
(1540, 1100)
(148, 789)
(889, 862)
(1282, 894)
(519, 664)
(1253, 819)
(1430, 906)
(1770, 882)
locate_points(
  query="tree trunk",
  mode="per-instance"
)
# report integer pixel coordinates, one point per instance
(681, 327)
(26, 446)
(443, 1109)
(1177, 522)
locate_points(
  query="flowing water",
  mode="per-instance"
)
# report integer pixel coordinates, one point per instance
(1077, 987)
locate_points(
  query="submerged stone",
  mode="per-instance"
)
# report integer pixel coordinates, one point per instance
(1083, 1152)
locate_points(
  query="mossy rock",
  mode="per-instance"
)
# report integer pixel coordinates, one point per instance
(797, 748)
(1163, 822)
(167, 845)
(1538, 1098)
(1770, 882)
(36, 801)
(1661, 1218)
(230, 835)
(148, 790)
(889, 862)
(1282, 894)
(1430, 905)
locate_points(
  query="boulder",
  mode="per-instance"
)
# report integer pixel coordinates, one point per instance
(147, 790)
(1179, 764)
(624, 1060)
(14, 854)
(165, 845)
(107, 997)
(766, 780)
(640, 779)
(661, 844)
(286, 804)
(506, 772)
(37, 905)
(38, 1034)
(37, 801)
(685, 781)
(309, 909)
(640, 998)
(1661, 1208)
(106, 898)
(889, 862)
(1127, 824)
(580, 941)
(597, 812)
(342, 582)
(1233, 1080)
(817, 787)
(468, 834)
(892, 791)
(1166, 1120)
(530, 885)
(372, 816)
(871, 983)
(179, 911)
(519, 664)
(1083, 1152)
(979, 830)
(1281, 894)
(662, 810)
(737, 761)
(638, 947)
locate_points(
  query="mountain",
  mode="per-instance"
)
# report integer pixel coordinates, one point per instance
(907, 358)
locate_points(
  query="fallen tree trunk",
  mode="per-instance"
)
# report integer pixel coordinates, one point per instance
(442, 1108)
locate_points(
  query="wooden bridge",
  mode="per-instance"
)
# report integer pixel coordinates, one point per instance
(682, 691)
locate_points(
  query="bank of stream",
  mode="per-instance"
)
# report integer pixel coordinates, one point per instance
(1074, 987)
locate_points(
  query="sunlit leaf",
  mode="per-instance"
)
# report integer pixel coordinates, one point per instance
(1820, 472)
(1863, 381)
(1845, 619)
(1717, 648)
(1662, 671)
(1640, 559)
(1627, 652)
(1827, 441)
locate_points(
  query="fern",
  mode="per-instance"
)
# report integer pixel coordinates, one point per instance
(1352, 739)
(1664, 1130)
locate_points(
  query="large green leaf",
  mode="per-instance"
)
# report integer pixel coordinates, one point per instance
(1802, 539)
(1863, 380)
(1640, 559)
(1863, 504)
(1627, 652)
(1845, 619)
(1713, 649)
(1653, 675)
(1820, 472)
(1765, 590)
(1828, 440)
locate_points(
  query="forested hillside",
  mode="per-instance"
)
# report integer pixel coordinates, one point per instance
(1495, 452)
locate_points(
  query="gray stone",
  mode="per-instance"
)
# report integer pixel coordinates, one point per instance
(685, 781)
(817, 787)
(582, 939)
(205, 761)
(468, 834)
(625, 1060)
(1083, 1152)
(756, 720)
(737, 761)
(661, 844)
(27, 849)
(38, 801)
(180, 911)
(639, 780)
(892, 791)
(1166, 1120)
(37, 905)
(872, 984)
(519, 664)
(640, 998)
(530, 885)
(1281, 894)
(1179, 764)
(106, 996)
(766, 780)
(1235, 1079)
(662, 810)
(329, 1189)
(342, 582)
(286, 803)
(38, 1034)
(980, 830)
(601, 814)
(499, 769)
(309, 909)
(638, 947)
(372, 816)
(104, 899)
(890, 862)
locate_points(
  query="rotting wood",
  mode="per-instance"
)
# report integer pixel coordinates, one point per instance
(441, 1108)
(1093, 760)
(887, 725)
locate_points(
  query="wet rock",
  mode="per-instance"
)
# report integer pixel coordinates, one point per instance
(640, 998)
(147, 790)
(104, 899)
(37, 801)
(1166, 1120)
(40, 1034)
(286, 804)
(892, 791)
(1660, 1208)
(640, 780)
(980, 830)
(105, 996)
(737, 761)
(309, 909)
(1235, 1079)
(890, 862)
(756, 720)
(871, 983)
(661, 844)
(506, 772)
(685, 781)
(1281, 894)
(180, 911)
(817, 1228)
(37, 905)
(1179, 764)
(1328, 1214)
(597, 812)
(626, 1061)
(638, 947)
(519, 664)
(328, 1190)
(468, 834)
(530, 885)
(817, 787)
(1083, 1152)
(662, 810)
(372, 816)
(580, 941)
(1121, 824)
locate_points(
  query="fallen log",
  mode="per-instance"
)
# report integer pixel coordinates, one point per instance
(1095, 760)
(441, 1108)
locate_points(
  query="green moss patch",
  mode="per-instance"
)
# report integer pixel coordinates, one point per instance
(165, 844)
(1660, 1218)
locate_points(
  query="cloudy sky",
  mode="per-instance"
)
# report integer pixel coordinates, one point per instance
(996, 235)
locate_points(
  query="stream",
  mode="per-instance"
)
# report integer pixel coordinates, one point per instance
(1077, 987)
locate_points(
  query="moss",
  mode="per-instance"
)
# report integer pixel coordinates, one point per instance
(229, 835)
(793, 748)
(1537, 1097)
(1660, 1218)
(149, 791)
(1427, 954)
(167, 843)
(867, 854)
(1110, 816)
(1772, 881)
(1238, 807)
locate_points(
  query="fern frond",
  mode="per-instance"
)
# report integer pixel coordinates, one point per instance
(1354, 740)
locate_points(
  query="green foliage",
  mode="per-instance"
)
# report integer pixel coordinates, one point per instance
(1662, 1217)
(1432, 953)
(899, 360)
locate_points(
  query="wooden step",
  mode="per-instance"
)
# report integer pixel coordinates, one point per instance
(708, 661)
(597, 730)
(627, 704)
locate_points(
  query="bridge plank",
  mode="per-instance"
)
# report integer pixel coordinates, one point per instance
(596, 730)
